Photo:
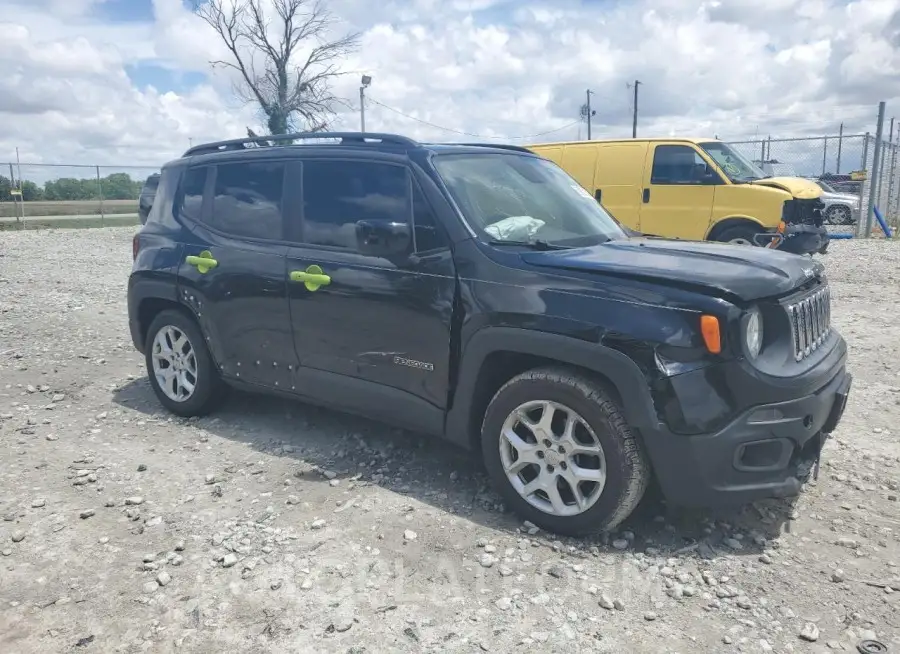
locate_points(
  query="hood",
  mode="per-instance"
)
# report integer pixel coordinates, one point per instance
(796, 186)
(747, 272)
(827, 196)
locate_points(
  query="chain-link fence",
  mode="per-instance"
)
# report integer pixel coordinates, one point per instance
(33, 194)
(843, 165)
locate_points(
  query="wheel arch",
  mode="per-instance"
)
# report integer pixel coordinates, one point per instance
(146, 299)
(494, 355)
(733, 221)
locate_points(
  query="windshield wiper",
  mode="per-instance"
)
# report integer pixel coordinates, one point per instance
(535, 244)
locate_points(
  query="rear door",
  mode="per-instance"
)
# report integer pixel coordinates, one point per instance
(377, 335)
(233, 271)
(678, 194)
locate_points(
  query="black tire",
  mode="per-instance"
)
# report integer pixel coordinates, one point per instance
(738, 232)
(209, 389)
(627, 467)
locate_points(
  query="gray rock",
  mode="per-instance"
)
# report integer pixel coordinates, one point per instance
(18, 536)
(486, 561)
(179, 545)
(150, 587)
(765, 558)
(229, 560)
(87, 513)
(504, 604)
(410, 535)
(810, 632)
(343, 625)
(38, 503)
(134, 501)
(141, 467)
(505, 571)
(743, 602)
(734, 544)
(619, 605)
(650, 616)
(318, 524)
(727, 640)
(163, 578)
(838, 576)
(606, 602)
(620, 544)
(275, 585)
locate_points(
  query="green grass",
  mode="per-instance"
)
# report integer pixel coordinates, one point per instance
(7, 224)
(67, 208)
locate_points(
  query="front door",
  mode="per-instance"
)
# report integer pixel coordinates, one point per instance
(232, 272)
(678, 193)
(374, 331)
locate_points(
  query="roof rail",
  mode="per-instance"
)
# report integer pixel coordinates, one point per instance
(499, 146)
(272, 139)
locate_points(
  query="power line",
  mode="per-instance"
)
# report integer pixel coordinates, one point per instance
(480, 136)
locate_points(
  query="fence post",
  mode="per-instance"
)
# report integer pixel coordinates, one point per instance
(840, 148)
(889, 211)
(100, 189)
(769, 149)
(762, 154)
(876, 171)
(824, 154)
(864, 166)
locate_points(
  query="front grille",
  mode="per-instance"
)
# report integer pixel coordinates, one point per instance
(810, 320)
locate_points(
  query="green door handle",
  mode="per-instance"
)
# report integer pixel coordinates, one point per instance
(312, 277)
(204, 262)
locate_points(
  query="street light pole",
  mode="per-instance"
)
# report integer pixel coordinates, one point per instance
(364, 83)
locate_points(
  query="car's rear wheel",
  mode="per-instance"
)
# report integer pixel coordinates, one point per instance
(560, 452)
(181, 370)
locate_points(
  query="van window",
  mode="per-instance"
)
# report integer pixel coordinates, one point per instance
(677, 164)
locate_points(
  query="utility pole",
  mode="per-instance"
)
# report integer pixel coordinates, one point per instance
(364, 82)
(589, 114)
(637, 83)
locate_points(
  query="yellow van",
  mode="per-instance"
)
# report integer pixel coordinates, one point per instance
(697, 189)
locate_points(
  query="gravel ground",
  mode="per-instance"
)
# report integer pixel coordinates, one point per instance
(275, 527)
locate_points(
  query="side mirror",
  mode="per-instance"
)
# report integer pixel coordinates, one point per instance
(383, 238)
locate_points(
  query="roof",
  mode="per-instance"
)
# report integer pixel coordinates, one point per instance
(682, 139)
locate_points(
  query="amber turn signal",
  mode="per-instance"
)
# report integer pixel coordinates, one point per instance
(712, 337)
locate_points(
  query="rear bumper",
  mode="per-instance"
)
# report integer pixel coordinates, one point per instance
(804, 239)
(767, 451)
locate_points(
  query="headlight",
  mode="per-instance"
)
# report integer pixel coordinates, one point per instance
(753, 333)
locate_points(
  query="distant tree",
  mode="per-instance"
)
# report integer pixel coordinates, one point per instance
(120, 186)
(287, 68)
(31, 192)
(5, 187)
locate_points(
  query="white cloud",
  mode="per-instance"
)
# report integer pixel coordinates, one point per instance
(487, 67)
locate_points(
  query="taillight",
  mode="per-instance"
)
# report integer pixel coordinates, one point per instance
(135, 246)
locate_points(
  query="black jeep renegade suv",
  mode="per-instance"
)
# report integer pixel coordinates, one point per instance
(477, 293)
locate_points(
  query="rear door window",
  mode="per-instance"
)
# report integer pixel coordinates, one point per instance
(248, 199)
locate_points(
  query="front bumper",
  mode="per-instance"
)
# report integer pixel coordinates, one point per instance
(767, 451)
(804, 239)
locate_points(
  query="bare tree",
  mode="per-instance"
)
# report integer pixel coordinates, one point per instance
(286, 68)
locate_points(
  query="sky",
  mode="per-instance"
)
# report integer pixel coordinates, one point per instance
(128, 82)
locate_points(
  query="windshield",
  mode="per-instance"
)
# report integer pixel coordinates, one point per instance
(515, 198)
(825, 186)
(738, 168)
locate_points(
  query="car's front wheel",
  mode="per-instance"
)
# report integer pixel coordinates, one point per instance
(181, 370)
(560, 452)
